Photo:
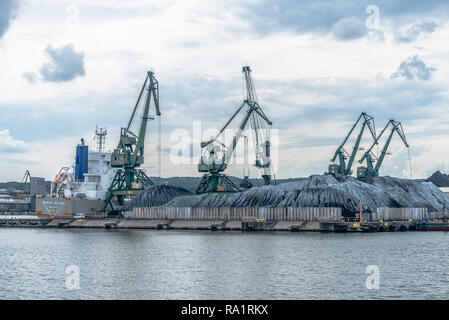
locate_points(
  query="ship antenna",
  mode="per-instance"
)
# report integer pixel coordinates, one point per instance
(100, 134)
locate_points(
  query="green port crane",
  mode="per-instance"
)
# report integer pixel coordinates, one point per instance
(372, 170)
(26, 181)
(342, 154)
(129, 154)
(214, 180)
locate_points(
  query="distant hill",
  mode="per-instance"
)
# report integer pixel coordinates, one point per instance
(13, 185)
(439, 179)
(188, 183)
(191, 183)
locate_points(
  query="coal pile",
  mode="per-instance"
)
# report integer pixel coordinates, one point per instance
(439, 179)
(155, 196)
(329, 191)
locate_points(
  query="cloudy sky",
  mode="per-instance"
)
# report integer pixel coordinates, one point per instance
(67, 66)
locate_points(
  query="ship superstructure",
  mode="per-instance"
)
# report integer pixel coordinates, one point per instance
(92, 173)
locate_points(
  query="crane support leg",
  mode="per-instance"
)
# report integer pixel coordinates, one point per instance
(216, 182)
(124, 184)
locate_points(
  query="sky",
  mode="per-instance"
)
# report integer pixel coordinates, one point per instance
(67, 66)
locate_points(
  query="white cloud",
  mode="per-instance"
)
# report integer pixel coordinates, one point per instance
(349, 29)
(8, 12)
(414, 68)
(64, 64)
(411, 33)
(9, 145)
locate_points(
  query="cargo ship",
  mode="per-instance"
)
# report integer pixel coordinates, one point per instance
(81, 189)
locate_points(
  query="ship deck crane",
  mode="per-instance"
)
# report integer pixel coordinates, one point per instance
(372, 170)
(214, 180)
(342, 154)
(129, 154)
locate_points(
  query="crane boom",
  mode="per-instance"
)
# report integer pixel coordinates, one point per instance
(342, 167)
(153, 91)
(371, 169)
(397, 127)
(230, 151)
(370, 124)
(137, 103)
(260, 127)
(340, 147)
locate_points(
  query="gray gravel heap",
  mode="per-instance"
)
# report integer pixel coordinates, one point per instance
(439, 179)
(155, 196)
(329, 191)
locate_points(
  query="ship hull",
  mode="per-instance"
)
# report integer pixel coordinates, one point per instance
(433, 226)
(66, 207)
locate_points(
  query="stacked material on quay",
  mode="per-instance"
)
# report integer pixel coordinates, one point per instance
(341, 191)
(154, 196)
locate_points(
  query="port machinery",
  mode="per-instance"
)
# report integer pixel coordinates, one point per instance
(342, 155)
(371, 170)
(373, 162)
(129, 180)
(216, 155)
(26, 181)
(58, 181)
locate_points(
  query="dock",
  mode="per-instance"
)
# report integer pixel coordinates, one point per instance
(293, 219)
(246, 225)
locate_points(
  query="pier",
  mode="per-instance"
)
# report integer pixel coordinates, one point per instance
(247, 219)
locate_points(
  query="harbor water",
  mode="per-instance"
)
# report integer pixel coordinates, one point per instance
(156, 264)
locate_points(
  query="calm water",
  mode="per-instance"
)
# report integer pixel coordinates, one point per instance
(143, 264)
